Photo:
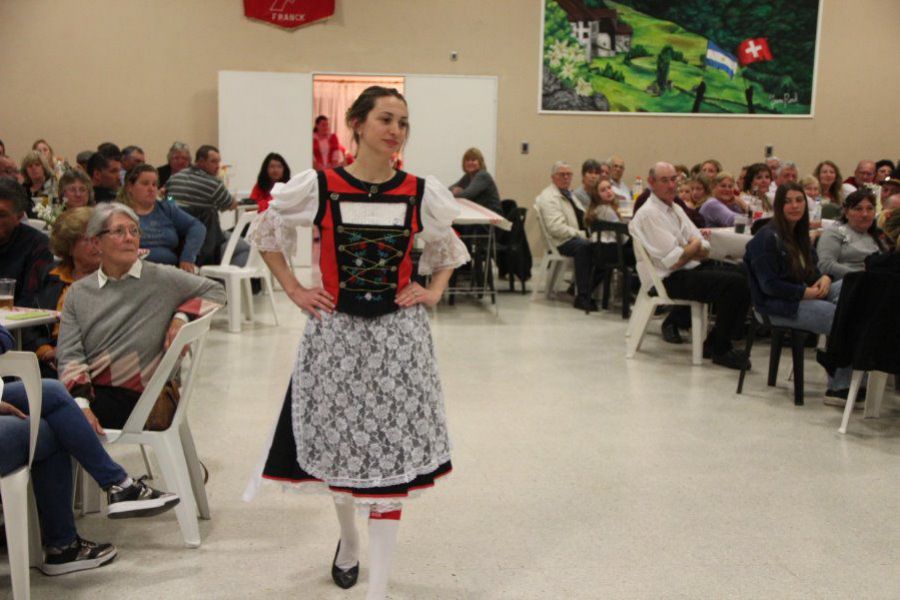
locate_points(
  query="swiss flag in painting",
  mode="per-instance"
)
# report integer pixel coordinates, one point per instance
(289, 14)
(753, 50)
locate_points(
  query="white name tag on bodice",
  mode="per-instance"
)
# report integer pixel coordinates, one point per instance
(374, 213)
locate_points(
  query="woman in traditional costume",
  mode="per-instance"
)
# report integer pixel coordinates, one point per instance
(363, 416)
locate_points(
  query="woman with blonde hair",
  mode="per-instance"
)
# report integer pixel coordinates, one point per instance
(37, 176)
(77, 258)
(830, 185)
(476, 184)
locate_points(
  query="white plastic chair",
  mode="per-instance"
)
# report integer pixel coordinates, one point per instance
(874, 394)
(553, 264)
(645, 305)
(174, 448)
(237, 279)
(23, 538)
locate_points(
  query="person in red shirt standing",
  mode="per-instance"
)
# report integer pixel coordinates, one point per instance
(327, 150)
(274, 170)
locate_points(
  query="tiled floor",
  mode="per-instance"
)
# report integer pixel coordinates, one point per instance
(578, 474)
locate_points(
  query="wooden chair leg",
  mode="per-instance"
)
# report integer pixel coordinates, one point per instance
(798, 344)
(775, 355)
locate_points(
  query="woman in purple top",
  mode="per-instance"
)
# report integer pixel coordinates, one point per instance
(724, 205)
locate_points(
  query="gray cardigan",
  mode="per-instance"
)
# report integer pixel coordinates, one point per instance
(843, 250)
(481, 189)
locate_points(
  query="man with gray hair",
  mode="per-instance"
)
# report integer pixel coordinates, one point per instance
(679, 254)
(617, 177)
(787, 172)
(563, 221)
(862, 176)
(178, 158)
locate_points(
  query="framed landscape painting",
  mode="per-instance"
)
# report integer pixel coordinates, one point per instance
(680, 57)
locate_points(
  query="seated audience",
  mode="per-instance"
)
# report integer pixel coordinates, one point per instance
(683, 175)
(328, 153)
(9, 168)
(65, 434)
(890, 223)
(56, 163)
(787, 172)
(274, 170)
(710, 168)
(692, 213)
(701, 189)
(116, 325)
(814, 199)
(37, 176)
(172, 236)
(862, 176)
(564, 221)
(604, 206)
(476, 184)
(685, 193)
(24, 251)
(75, 190)
(104, 173)
(201, 194)
(756, 189)
(617, 177)
(883, 170)
(77, 257)
(725, 205)
(679, 254)
(590, 176)
(177, 159)
(81, 160)
(843, 248)
(785, 283)
(132, 156)
(829, 176)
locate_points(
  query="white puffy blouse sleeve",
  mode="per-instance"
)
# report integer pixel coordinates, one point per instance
(294, 204)
(443, 248)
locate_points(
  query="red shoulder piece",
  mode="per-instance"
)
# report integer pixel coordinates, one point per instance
(339, 185)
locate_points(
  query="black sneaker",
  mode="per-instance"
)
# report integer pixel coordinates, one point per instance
(80, 556)
(137, 500)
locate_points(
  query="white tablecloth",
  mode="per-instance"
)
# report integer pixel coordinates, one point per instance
(725, 244)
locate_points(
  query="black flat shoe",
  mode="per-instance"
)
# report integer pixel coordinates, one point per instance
(343, 579)
(670, 333)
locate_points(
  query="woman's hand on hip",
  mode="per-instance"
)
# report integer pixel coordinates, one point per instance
(312, 300)
(414, 294)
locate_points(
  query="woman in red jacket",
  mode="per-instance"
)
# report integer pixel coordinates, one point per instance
(327, 150)
(274, 170)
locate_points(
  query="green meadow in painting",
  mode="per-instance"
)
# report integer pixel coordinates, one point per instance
(692, 56)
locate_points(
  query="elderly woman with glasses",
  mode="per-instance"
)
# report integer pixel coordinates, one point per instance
(75, 190)
(117, 324)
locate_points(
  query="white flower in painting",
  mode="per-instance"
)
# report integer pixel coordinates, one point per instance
(558, 47)
(567, 71)
(573, 54)
(554, 62)
(583, 88)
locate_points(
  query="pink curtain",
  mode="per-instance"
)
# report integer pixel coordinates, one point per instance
(333, 95)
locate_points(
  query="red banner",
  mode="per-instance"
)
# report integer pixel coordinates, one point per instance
(289, 14)
(753, 50)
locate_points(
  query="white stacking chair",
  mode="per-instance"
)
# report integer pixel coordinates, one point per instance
(237, 279)
(174, 448)
(645, 305)
(23, 538)
(552, 266)
(874, 393)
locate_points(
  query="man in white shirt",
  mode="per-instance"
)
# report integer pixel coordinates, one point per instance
(617, 177)
(863, 175)
(679, 254)
(787, 172)
(564, 221)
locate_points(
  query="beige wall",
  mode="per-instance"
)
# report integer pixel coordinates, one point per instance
(79, 72)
